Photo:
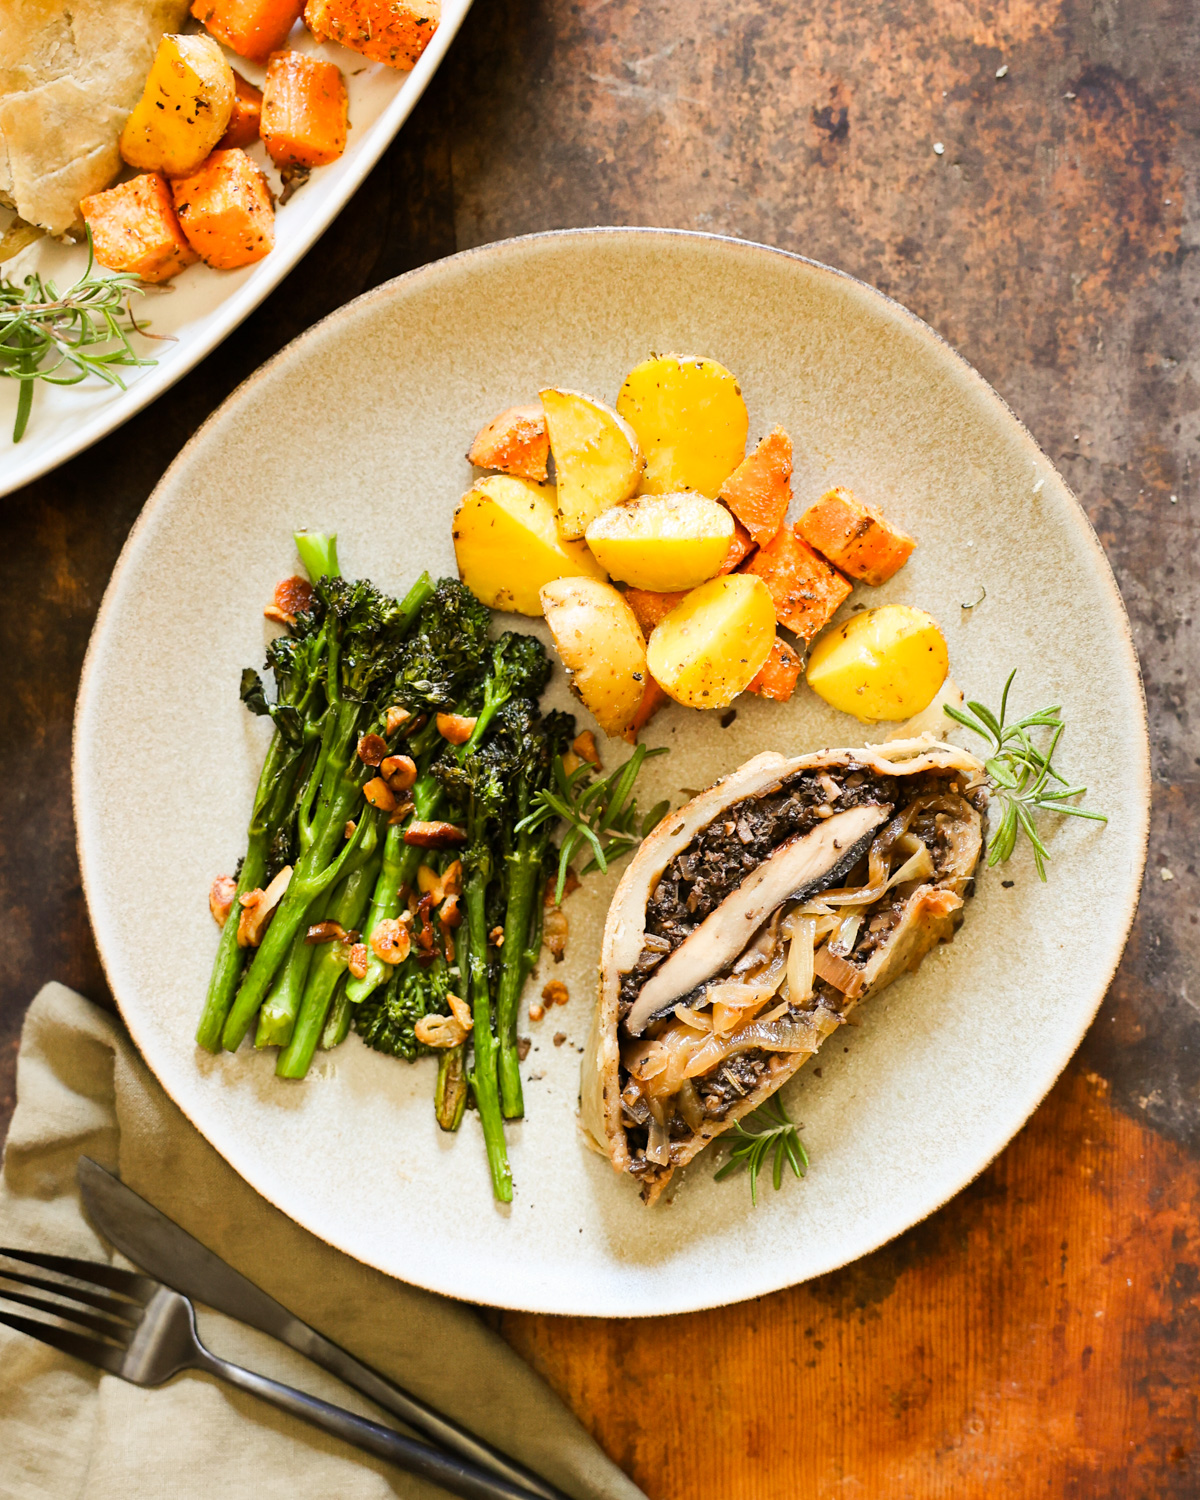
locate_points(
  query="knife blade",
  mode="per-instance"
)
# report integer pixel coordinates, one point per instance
(158, 1245)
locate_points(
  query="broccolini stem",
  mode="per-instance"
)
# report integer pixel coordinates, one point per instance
(524, 868)
(450, 1096)
(484, 1072)
(337, 1028)
(318, 553)
(278, 1014)
(399, 870)
(227, 967)
(316, 870)
(327, 969)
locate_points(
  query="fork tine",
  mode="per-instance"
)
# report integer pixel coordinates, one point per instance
(98, 1324)
(93, 1351)
(130, 1311)
(129, 1283)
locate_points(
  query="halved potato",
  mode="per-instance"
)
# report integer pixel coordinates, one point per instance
(662, 542)
(185, 106)
(690, 420)
(602, 648)
(507, 544)
(711, 647)
(883, 664)
(597, 461)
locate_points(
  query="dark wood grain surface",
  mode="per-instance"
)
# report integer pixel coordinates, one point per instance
(1040, 1335)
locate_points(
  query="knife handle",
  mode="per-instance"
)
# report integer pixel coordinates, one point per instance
(453, 1474)
(415, 1413)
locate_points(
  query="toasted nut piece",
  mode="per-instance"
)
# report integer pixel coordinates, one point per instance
(435, 835)
(554, 932)
(570, 884)
(452, 879)
(449, 912)
(380, 795)
(258, 907)
(371, 749)
(496, 937)
(457, 728)
(555, 993)
(358, 960)
(391, 941)
(350, 828)
(559, 1038)
(584, 746)
(461, 1012)
(429, 883)
(396, 716)
(440, 1031)
(400, 771)
(326, 932)
(536, 1012)
(293, 596)
(220, 898)
(402, 813)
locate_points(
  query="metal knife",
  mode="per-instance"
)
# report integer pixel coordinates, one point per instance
(161, 1247)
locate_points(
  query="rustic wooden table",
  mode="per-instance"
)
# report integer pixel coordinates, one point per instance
(1038, 1336)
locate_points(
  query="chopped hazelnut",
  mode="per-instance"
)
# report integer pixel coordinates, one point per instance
(555, 993)
(559, 1038)
(496, 937)
(220, 898)
(457, 728)
(584, 746)
(358, 960)
(536, 1012)
(396, 716)
(380, 795)
(371, 749)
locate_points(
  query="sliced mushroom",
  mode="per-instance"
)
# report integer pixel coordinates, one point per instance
(797, 870)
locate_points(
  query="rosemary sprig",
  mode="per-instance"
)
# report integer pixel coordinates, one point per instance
(773, 1134)
(1022, 777)
(63, 337)
(600, 815)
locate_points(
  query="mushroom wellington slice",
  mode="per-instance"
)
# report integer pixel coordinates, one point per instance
(751, 923)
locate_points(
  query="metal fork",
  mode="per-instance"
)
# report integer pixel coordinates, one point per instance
(146, 1334)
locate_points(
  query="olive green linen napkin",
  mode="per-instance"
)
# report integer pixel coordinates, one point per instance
(71, 1433)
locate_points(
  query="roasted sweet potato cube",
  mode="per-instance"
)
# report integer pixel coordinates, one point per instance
(740, 549)
(806, 590)
(759, 490)
(226, 211)
(135, 228)
(515, 442)
(653, 698)
(855, 537)
(649, 608)
(305, 111)
(242, 129)
(778, 677)
(251, 28)
(395, 32)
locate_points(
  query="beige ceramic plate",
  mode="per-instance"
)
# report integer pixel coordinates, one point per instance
(360, 426)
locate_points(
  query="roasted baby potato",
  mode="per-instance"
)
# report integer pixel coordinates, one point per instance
(662, 542)
(690, 420)
(515, 442)
(184, 109)
(885, 663)
(507, 544)
(711, 647)
(602, 648)
(597, 461)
